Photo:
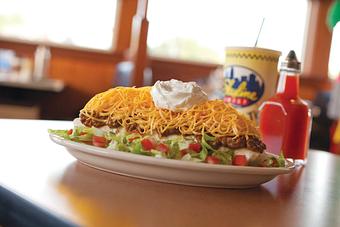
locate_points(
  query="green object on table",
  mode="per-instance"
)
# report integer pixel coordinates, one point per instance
(333, 14)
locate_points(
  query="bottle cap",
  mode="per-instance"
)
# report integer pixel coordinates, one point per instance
(291, 62)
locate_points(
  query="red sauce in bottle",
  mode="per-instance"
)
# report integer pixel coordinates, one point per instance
(272, 130)
(297, 122)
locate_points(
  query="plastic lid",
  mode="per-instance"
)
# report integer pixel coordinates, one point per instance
(291, 61)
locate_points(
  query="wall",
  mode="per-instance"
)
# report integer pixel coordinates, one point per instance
(165, 69)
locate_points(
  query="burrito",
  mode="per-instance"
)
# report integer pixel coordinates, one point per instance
(170, 120)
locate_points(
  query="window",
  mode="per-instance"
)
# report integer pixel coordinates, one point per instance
(334, 66)
(200, 30)
(69, 22)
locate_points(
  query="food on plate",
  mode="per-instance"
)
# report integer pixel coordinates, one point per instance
(172, 120)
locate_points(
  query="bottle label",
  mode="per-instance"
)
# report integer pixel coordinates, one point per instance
(243, 87)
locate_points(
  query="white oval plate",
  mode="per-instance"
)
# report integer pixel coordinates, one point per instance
(170, 171)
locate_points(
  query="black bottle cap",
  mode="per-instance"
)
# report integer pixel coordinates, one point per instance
(291, 62)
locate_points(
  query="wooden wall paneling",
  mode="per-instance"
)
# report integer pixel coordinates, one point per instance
(166, 69)
(91, 75)
(24, 49)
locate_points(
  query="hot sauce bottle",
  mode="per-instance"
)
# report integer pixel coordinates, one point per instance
(297, 114)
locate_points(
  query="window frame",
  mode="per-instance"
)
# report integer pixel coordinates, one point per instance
(318, 39)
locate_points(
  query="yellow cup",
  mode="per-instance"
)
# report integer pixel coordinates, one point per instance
(251, 76)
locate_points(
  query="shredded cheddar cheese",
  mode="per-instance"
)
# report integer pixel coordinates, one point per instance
(134, 106)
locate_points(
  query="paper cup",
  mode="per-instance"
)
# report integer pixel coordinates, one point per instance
(251, 76)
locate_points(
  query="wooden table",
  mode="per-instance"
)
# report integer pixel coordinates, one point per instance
(42, 176)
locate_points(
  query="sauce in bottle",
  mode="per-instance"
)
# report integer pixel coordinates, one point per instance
(296, 132)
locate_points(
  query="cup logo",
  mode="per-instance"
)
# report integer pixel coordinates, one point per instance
(243, 86)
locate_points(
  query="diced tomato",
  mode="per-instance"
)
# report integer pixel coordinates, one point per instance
(195, 147)
(147, 144)
(82, 133)
(183, 152)
(162, 147)
(239, 160)
(70, 131)
(99, 141)
(213, 160)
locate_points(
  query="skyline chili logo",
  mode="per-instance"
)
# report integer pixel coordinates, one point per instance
(243, 86)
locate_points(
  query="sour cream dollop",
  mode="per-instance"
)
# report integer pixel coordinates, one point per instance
(176, 95)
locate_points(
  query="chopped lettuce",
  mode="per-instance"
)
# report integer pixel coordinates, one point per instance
(174, 149)
(191, 157)
(203, 153)
(178, 146)
(226, 157)
(206, 148)
(136, 147)
(281, 160)
(62, 133)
